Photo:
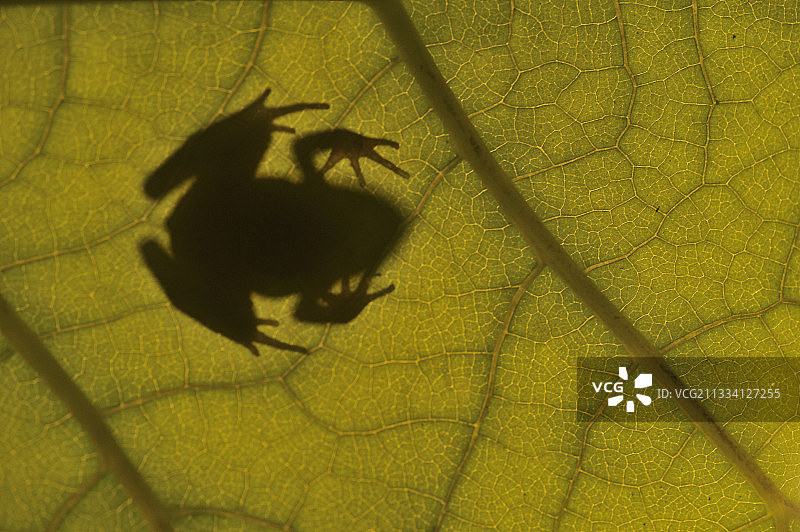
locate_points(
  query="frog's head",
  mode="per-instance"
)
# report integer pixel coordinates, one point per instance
(226, 152)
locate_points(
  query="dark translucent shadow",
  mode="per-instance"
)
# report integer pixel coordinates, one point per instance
(233, 234)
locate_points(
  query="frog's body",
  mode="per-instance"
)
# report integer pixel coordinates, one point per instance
(282, 238)
(233, 234)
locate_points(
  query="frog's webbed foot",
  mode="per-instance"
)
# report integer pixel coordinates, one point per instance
(344, 144)
(223, 307)
(339, 307)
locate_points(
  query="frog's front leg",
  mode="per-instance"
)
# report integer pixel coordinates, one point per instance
(344, 144)
(219, 306)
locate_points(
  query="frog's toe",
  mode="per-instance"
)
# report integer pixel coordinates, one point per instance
(372, 296)
(359, 297)
(261, 338)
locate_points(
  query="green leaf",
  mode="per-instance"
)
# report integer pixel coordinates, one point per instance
(659, 143)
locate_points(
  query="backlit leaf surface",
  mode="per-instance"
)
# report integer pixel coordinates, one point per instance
(660, 142)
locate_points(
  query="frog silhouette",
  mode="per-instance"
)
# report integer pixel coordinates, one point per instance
(234, 234)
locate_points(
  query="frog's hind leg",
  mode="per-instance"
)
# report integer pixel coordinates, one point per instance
(222, 307)
(338, 307)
